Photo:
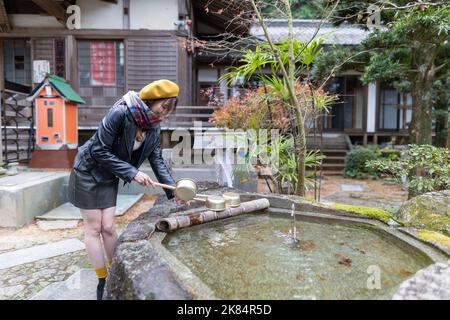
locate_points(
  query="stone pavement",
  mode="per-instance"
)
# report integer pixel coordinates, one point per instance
(26, 280)
(366, 198)
(82, 285)
(364, 193)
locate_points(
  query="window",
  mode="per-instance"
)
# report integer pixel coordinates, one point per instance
(101, 63)
(347, 112)
(17, 61)
(389, 107)
(50, 117)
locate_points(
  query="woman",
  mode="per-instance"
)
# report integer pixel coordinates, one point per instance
(127, 135)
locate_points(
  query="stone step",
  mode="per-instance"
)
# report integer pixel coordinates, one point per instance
(29, 194)
(338, 167)
(335, 150)
(82, 285)
(333, 172)
(330, 145)
(332, 165)
(44, 251)
(334, 159)
(68, 211)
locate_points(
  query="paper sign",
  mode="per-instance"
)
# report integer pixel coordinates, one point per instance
(40, 69)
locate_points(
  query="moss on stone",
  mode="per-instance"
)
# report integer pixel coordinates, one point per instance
(434, 236)
(430, 211)
(313, 201)
(375, 213)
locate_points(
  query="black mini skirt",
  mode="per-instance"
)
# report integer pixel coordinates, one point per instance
(85, 192)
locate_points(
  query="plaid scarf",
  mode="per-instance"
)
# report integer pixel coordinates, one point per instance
(141, 113)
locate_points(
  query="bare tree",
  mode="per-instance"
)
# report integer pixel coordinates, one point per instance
(290, 62)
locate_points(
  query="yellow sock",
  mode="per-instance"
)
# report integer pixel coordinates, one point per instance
(101, 272)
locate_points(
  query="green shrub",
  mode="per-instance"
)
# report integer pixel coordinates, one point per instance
(355, 163)
(376, 149)
(385, 152)
(390, 153)
(427, 167)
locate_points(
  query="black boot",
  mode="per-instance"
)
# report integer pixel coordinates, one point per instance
(100, 288)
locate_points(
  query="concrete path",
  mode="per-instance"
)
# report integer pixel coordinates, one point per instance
(68, 212)
(22, 256)
(354, 187)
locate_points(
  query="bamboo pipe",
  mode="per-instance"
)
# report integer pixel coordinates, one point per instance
(184, 221)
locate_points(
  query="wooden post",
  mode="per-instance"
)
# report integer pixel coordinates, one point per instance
(2, 87)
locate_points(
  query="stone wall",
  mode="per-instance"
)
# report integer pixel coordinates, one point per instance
(432, 283)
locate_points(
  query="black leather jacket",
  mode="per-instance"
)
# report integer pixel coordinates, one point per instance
(107, 155)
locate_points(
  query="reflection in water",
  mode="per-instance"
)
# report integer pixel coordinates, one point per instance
(253, 257)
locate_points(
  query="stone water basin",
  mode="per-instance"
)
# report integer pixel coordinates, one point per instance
(253, 256)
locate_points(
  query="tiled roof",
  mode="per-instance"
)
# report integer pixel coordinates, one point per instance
(344, 34)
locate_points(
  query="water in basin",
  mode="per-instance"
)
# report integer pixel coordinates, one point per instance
(253, 257)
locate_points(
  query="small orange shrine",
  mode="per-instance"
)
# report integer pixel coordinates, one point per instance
(56, 123)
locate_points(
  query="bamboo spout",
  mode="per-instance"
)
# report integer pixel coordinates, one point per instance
(184, 221)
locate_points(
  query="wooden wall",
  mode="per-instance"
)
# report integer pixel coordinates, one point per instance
(148, 56)
(150, 59)
(43, 49)
(146, 59)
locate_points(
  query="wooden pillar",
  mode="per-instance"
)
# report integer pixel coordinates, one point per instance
(71, 62)
(371, 107)
(2, 87)
(183, 75)
(165, 139)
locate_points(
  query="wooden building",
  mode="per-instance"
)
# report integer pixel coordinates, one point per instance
(118, 46)
(122, 45)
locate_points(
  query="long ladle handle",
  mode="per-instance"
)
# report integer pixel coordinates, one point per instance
(164, 185)
(202, 195)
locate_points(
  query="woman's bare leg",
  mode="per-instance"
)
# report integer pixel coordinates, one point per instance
(92, 230)
(109, 233)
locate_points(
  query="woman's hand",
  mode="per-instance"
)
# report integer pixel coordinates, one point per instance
(143, 179)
